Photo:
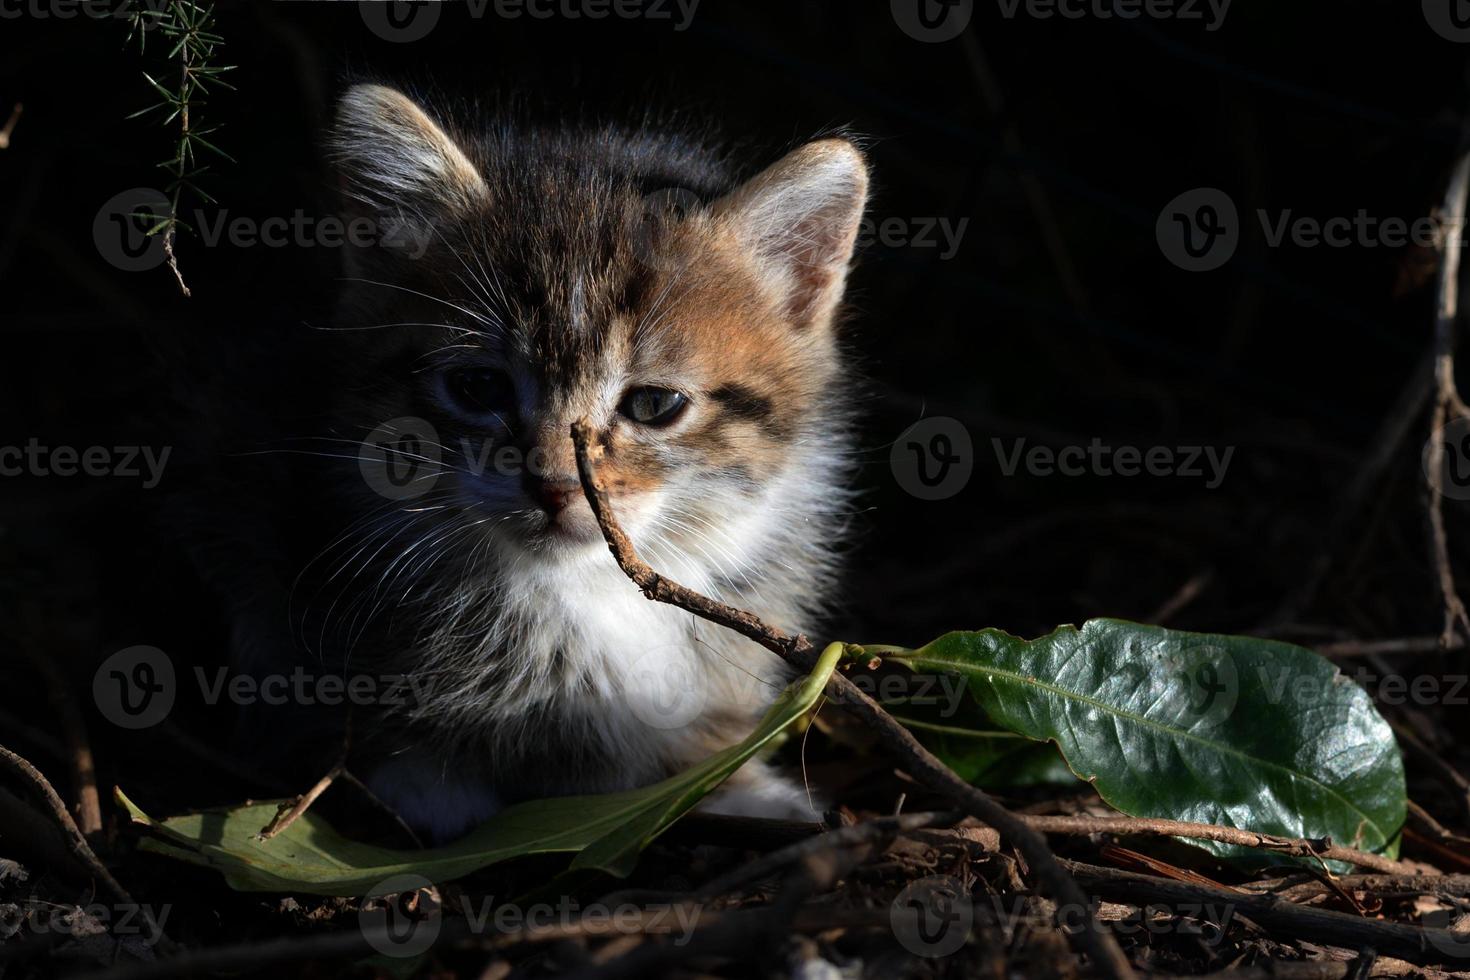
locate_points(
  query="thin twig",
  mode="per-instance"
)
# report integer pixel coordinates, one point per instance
(1448, 406)
(1376, 648)
(868, 832)
(1382, 449)
(1155, 827)
(1187, 593)
(78, 843)
(918, 761)
(73, 726)
(289, 813)
(10, 126)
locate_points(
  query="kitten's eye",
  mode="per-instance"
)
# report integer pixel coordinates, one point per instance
(480, 391)
(653, 406)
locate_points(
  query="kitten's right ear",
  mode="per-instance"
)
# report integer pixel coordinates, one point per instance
(393, 155)
(799, 220)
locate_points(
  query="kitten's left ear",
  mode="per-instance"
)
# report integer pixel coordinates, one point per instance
(394, 155)
(799, 218)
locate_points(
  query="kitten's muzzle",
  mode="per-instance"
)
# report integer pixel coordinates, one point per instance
(552, 495)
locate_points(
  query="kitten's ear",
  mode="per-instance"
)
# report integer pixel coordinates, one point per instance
(394, 155)
(799, 218)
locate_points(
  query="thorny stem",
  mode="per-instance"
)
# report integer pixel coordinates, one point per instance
(920, 763)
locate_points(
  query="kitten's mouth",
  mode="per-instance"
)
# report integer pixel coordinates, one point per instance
(567, 528)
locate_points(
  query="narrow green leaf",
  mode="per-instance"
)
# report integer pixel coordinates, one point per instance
(609, 831)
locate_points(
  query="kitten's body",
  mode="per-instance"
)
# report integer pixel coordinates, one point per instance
(535, 286)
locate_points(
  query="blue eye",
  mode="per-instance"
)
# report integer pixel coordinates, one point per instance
(480, 391)
(653, 406)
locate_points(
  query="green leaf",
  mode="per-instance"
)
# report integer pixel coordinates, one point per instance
(607, 832)
(991, 758)
(1229, 730)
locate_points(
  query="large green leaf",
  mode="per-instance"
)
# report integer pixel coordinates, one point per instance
(1227, 730)
(606, 831)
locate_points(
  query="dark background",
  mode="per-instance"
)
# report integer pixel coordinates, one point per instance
(1058, 320)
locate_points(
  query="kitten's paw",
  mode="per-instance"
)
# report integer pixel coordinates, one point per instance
(757, 791)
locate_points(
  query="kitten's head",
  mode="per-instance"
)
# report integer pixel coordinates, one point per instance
(535, 277)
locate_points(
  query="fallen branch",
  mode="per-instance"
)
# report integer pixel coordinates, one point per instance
(918, 761)
(1283, 919)
(1322, 848)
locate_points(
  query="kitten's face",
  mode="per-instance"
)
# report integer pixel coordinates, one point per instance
(702, 350)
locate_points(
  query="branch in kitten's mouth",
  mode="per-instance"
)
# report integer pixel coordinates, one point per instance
(918, 761)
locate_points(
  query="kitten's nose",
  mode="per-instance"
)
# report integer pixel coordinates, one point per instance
(551, 494)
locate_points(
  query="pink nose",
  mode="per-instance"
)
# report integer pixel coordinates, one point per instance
(553, 496)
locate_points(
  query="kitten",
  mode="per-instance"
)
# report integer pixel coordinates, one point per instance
(527, 277)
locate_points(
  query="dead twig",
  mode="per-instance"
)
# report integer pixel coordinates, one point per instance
(1376, 648)
(1449, 407)
(1426, 946)
(78, 843)
(918, 761)
(290, 812)
(868, 832)
(1322, 848)
(73, 726)
(10, 126)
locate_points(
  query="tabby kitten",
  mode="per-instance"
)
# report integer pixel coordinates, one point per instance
(529, 277)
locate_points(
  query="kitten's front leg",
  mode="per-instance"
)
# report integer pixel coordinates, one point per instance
(434, 801)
